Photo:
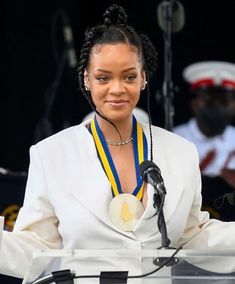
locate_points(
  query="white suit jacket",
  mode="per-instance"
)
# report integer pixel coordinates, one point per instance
(68, 196)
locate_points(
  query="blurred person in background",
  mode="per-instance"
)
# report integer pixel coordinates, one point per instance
(210, 129)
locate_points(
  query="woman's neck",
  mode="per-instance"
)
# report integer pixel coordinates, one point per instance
(124, 127)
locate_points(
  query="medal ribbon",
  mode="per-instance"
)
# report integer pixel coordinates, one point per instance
(140, 154)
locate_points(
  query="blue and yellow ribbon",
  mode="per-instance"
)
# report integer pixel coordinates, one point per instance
(140, 154)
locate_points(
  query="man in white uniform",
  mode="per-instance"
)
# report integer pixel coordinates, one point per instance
(213, 106)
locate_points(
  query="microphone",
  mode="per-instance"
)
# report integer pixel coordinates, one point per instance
(177, 17)
(69, 40)
(151, 173)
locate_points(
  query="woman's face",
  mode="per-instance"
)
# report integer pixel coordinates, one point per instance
(115, 77)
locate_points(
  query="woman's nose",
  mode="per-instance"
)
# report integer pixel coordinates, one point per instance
(117, 87)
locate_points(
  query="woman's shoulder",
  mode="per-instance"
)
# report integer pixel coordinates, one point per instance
(67, 135)
(172, 146)
(169, 138)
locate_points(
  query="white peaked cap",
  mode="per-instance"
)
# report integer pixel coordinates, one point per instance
(210, 73)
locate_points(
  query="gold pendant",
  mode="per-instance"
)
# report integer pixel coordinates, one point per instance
(125, 211)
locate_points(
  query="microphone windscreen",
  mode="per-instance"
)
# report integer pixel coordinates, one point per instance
(178, 16)
(146, 165)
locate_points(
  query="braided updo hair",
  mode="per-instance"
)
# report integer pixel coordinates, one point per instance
(116, 30)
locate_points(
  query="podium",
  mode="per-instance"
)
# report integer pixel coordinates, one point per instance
(96, 266)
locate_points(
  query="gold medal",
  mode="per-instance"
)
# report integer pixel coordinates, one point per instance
(125, 211)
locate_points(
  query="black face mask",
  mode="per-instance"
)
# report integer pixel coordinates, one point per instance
(212, 120)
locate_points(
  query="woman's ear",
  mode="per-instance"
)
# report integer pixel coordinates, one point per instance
(144, 82)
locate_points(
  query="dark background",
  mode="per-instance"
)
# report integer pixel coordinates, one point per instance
(30, 60)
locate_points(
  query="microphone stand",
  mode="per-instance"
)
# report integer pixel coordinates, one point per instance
(158, 203)
(45, 126)
(168, 84)
(159, 198)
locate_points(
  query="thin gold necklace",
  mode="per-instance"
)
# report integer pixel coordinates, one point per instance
(118, 143)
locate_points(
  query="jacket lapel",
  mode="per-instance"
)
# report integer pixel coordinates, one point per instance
(147, 226)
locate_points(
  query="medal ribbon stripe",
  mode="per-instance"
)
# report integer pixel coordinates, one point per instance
(105, 157)
(140, 154)
(139, 195)
(140, 143)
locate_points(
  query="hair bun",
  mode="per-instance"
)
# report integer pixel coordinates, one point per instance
(114, 14)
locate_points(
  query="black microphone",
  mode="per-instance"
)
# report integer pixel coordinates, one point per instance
(151, 173)
(69, 40)
(177, 17)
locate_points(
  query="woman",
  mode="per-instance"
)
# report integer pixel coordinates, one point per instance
(84, 189)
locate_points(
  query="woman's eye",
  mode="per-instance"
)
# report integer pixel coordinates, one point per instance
(102, 79)
(130, 77)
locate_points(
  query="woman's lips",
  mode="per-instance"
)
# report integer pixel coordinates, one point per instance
(117, 103)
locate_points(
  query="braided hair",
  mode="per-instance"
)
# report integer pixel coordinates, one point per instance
(116, 30)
